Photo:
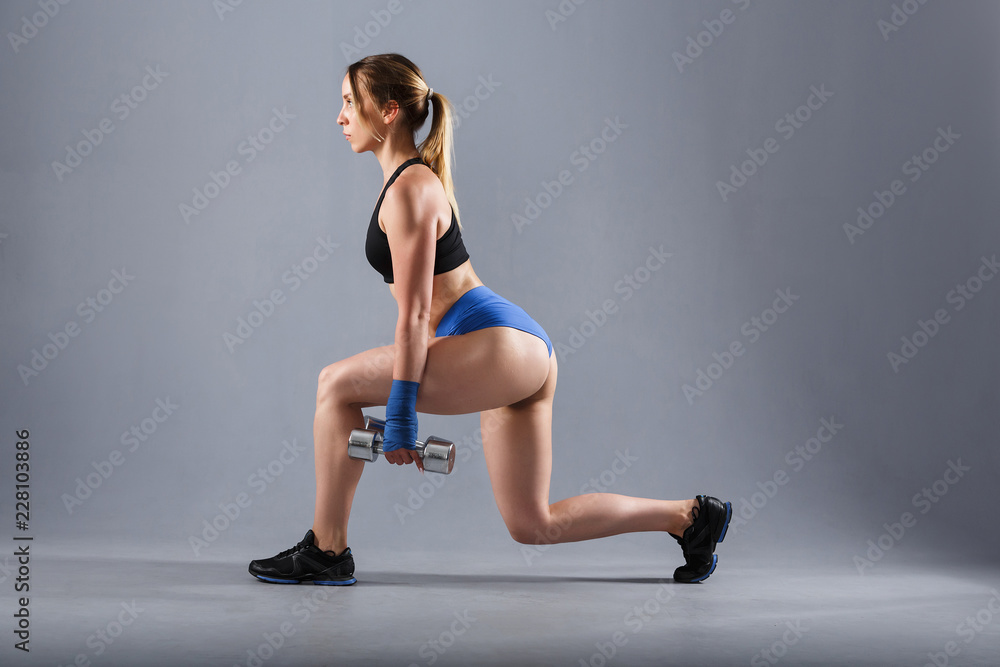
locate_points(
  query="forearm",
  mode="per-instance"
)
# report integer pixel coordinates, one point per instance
(400, 408)
(412, 331)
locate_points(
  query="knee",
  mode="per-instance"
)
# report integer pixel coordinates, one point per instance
(330, 386)
(523, 534)
(347, 382)
(532, 530)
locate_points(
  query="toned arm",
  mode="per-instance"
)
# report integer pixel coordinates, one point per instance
(410, 221)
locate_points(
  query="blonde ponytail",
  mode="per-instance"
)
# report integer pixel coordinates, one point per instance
(438, 148)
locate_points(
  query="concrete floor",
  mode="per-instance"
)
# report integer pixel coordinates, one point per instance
(444, 610)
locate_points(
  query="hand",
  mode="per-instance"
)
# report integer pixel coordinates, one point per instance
(404, 457)
(400, 434)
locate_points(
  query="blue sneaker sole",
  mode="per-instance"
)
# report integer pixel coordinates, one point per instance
(715, 561)
(725, 526)
(346, 582)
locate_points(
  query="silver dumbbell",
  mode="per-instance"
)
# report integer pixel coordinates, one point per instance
(438, 454)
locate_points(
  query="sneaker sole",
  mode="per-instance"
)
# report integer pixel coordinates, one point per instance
(346, 582)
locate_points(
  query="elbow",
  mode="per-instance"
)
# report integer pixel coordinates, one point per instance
(414, 320)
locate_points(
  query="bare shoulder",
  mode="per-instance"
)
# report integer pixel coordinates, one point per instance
(416, 194)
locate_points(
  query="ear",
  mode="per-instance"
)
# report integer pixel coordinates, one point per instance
(390, 111)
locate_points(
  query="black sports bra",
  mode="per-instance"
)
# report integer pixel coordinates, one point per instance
(450, 252)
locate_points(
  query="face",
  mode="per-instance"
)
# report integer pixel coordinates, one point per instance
(360, 139)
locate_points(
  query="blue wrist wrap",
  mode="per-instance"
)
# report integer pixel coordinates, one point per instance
(401, 417)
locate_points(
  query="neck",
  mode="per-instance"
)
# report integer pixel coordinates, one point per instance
(393, 152)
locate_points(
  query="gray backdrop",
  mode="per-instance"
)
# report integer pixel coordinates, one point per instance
(177, 163)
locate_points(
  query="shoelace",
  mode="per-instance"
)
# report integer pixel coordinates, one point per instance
(288, 552)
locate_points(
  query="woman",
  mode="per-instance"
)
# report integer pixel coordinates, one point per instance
(452, 332)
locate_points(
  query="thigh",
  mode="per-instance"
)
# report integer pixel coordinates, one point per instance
(473, 372)
(517, 445)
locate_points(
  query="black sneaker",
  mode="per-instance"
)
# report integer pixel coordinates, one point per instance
(306, 563)
(709, 528)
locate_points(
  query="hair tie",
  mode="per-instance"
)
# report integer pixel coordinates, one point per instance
(430, 92)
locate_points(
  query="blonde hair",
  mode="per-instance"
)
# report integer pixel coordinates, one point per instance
(379, 79)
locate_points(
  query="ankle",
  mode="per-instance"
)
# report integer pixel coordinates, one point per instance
(328, 542)
(333, 548)
(684, 517)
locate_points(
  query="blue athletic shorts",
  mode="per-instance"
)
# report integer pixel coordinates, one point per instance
(482, 308)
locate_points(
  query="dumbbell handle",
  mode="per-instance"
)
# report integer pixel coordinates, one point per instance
(374, 424)
(437, 454)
